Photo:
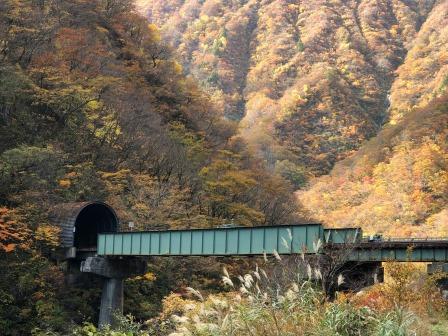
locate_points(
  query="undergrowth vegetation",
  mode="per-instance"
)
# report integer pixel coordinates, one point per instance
(280, 299)
(267, 305)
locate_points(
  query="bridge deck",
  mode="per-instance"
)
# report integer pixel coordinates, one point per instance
(395, 250)
(284, 239)
(225, 241)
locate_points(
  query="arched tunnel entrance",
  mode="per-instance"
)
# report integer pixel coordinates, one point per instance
(93, 219)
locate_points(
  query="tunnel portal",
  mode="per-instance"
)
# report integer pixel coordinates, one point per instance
(93, 219)
(80, 223)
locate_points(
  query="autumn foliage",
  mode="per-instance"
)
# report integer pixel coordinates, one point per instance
(93, 106)
(212, 112)
(396, 184)
(309, 81)
(13, 234)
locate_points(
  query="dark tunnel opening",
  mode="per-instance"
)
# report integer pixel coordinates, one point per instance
(93, 219)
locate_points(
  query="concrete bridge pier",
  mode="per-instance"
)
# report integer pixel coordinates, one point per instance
(114, 271)
(111, 301)
(442, 282)
(357, 276)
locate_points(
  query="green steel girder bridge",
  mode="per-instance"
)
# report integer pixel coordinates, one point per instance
(91, 243)
(283, 239)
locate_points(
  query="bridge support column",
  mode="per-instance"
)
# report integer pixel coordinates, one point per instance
(111, 301)
(113, 270)
(442, 282)
(358, 275)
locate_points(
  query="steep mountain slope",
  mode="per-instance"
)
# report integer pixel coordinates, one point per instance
(423, 74)
(398, 182)
(309, 80)
(93, 105)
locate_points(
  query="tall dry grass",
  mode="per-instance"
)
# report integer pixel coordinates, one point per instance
(262, 303)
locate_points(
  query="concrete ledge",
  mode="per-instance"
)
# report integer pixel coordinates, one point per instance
(437, 267)
(114, 268)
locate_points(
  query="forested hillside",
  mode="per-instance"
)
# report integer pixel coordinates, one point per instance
(206, 112)
(398, 182)
(311, 81)
(93, 106)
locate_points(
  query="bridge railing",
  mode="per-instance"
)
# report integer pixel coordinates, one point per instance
(405, 239)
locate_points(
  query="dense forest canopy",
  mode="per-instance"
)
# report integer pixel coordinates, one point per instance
(197, 113)
(396, 184)
(311, 81)
(93, 106)
(93, 97)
